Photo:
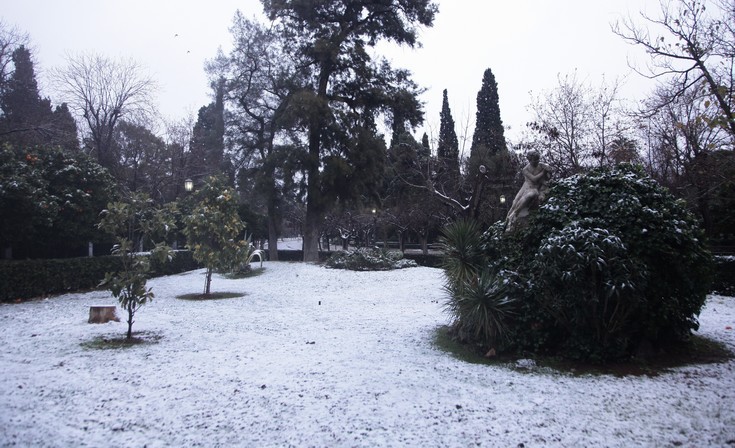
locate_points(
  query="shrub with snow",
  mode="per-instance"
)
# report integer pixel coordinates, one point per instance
(369, 259)
(609, 262)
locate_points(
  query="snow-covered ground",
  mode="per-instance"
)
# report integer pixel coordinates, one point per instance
(317, 357)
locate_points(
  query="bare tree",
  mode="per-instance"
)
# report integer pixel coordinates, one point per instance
(11, 37)
(577, 124)
(102, 91)
(683, 147)
(692, 43)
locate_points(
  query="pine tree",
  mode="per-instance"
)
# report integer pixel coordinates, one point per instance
(448, 149)
(344, 90)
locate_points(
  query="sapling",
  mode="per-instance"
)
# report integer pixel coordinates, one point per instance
(213, 227)
(133, 223)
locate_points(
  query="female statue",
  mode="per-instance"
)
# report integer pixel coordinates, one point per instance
(536, 177)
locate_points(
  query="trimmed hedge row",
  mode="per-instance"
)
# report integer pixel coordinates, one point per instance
(25, 279)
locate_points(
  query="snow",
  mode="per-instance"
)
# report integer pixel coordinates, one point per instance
(311, 356)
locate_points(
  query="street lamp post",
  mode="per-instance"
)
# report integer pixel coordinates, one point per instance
(188, 185)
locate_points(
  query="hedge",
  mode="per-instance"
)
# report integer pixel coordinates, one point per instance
(25, 279)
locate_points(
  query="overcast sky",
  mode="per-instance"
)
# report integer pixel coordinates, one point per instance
(526, 43)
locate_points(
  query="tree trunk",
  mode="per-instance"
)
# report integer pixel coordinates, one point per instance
(272, 235)
(424, 244)
(311, 234)
(208, 281)
(131, 312)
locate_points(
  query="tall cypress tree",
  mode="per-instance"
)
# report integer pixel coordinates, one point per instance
(25, 113)
(448, 148)
(488, 139)
(489, 149)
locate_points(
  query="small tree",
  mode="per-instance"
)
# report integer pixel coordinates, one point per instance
(213, 227)
(134, 223)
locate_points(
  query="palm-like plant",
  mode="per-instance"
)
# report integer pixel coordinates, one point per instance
(463, 256)
(482, 309)
(480, 299)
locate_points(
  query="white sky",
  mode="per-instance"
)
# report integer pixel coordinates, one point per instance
(526, 43)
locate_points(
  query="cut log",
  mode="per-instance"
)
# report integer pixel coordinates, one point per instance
(100, 314)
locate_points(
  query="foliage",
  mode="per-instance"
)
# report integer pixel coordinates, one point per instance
(489, 150)
(142, 160)
(207, 143)
(341, 91)
(50, 197)
(369, 259)
(481, 300)
(213, 227)
(133, 223)
(586, 280)
(610, 261)
(464, 258)
(447, 150)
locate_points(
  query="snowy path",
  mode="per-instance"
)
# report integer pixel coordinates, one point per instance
(276, 368)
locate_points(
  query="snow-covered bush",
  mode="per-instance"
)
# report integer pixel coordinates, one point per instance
(660, 257)
(369, 259)
(610, 261)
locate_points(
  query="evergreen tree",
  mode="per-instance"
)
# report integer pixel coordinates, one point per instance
(447, 150)
(64, 128)
(489, 149)
(343, 91)
(25, 113)
(208, 139)
(488, 138)
(425, 151)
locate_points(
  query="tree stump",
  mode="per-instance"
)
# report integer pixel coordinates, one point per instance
(100, 314)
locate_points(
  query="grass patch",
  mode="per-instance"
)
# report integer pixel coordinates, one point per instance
(211, 296)
(699, 350)
(121, 342)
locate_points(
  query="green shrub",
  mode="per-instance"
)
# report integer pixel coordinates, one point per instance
(369, 259)
(610, 261)
(25, 279)
(585, 279)
(662, 239)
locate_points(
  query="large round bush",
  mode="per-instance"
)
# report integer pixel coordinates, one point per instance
(609, 262)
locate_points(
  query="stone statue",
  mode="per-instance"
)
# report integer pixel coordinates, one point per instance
(535, 186)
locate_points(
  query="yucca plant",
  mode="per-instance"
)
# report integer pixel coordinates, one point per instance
(463, 256)
(483, 309)
(480, 299)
